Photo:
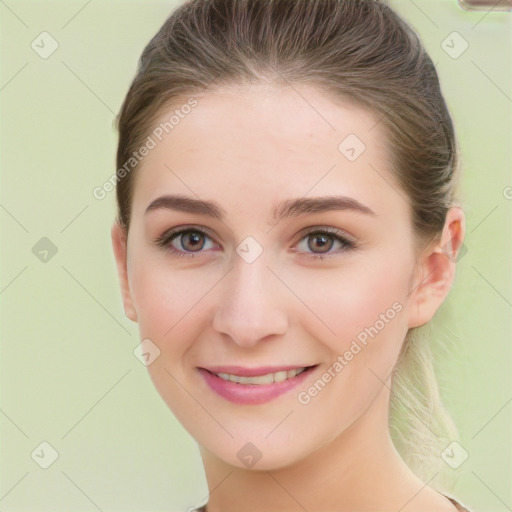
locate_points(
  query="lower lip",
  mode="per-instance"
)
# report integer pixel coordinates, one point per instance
(252, 394)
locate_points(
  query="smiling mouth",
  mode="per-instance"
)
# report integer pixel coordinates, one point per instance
(254, 386)
(265, 379)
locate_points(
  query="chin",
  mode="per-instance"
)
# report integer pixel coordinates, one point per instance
(256, 455)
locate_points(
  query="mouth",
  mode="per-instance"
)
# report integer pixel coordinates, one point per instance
(254, 385)
(261, 379)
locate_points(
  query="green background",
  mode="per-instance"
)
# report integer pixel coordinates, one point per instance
(68, 373)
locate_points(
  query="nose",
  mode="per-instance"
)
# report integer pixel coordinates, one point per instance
(251, 306)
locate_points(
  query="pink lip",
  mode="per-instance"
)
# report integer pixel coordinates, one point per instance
(251, 394)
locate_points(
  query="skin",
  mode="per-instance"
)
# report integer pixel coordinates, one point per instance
(248, 149)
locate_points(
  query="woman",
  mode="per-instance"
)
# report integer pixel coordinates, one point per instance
(287, 220)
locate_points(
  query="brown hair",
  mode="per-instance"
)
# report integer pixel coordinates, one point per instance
(359, 50)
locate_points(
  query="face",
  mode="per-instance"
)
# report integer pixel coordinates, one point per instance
(302, 258)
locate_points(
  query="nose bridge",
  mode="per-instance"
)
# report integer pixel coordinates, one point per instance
(249, 308)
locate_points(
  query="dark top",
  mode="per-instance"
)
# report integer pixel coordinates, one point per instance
(459, 506)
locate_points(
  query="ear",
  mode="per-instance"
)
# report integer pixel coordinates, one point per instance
(119, 239)
(436, 269)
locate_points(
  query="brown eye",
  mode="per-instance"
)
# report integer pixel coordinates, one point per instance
(325, 242)
(186, 242)
(192, 240)
(320, 242)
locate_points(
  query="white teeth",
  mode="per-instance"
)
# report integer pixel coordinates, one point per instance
(281, 376)
(269, 378)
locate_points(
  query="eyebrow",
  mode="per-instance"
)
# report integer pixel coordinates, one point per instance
(289, 208)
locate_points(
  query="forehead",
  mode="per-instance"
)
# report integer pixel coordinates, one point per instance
(265, 141)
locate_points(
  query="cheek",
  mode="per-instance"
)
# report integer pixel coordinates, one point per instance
(171, 313)
(376, 319)
(167, 300)
(366, 309)
(365, 305)
(348, 301)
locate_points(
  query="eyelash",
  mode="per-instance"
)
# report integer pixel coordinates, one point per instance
(167, 237)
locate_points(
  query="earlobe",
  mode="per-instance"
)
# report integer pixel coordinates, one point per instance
(436, 270)
(119, 245)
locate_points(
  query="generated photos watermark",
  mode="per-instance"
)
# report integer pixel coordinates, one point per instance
(151, 142)
(356, 346)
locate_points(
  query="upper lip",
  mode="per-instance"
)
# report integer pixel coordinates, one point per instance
(252, 372)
